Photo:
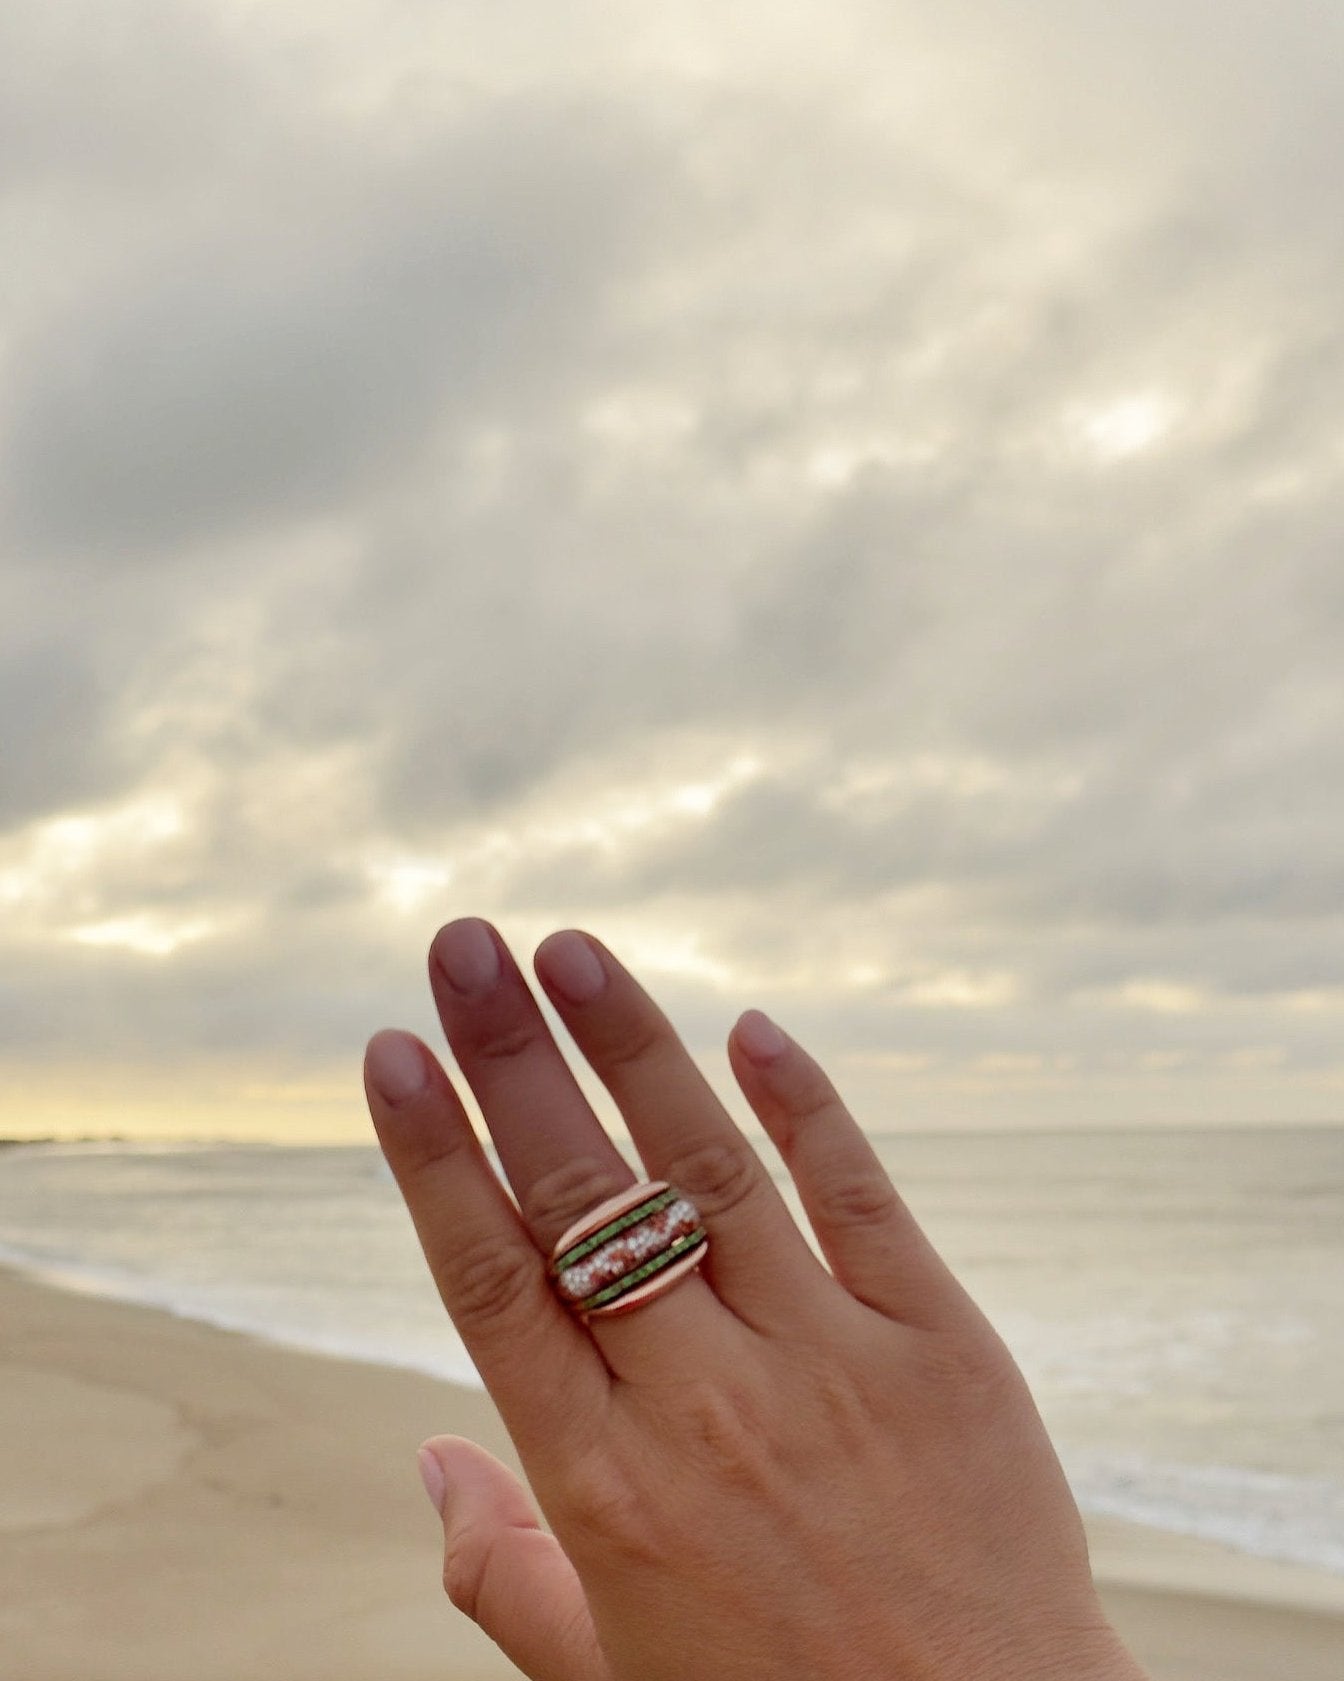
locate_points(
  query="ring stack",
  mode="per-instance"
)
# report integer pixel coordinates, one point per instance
(628, 1250)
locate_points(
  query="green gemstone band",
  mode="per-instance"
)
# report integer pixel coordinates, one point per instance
(623, 1286)
(614, 1228)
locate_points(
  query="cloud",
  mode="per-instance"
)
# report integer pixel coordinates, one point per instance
(238, 381)
(847, 504)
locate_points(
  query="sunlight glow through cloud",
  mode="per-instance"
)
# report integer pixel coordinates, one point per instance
(407, 884)
(1127, 426)
(1167, 998)
(57, 860)
(962, 991)
(146, 934)
(615, 815)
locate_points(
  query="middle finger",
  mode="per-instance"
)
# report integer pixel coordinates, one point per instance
(759, 1264)
(553, 1149)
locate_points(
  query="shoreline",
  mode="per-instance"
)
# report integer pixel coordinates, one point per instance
(86, 1282)
(157, 1473)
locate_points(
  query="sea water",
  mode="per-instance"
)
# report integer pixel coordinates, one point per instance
(1175, 1298)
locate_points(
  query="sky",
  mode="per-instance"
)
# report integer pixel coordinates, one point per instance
(844, 501)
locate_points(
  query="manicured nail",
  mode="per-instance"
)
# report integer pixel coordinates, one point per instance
(759, 1037)
(397, 1066)
(572, 967)
(431, 1475)
(467, 954)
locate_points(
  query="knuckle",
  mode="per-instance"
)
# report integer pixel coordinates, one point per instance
(565, 1194)
(813, 1099)
(641, 1039)
(465, 1566)
(607, 1512)
(504, 1043)
(866, 1200)
(724, 1431)
(487, 1280)
(448, 1144)
(719, 1176)
(973, 1367)
(851, 1414)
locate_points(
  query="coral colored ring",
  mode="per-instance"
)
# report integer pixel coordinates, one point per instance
(628, 1250)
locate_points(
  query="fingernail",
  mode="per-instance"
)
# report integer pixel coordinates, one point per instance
(572, 967)
(431, 1475)
(759, 1037)
(396, 1066)
(467, 954)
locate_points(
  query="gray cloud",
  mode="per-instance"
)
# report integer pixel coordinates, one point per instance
(236, 383)
(860, 519)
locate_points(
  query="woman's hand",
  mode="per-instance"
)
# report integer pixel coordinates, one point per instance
(771, 1471)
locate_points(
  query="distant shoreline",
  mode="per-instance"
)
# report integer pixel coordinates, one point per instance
(1191, 1129)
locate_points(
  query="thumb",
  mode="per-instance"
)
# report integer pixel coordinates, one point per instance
(503, 1570)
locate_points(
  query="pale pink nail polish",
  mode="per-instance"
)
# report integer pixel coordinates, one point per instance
(467, 954)
(396, 1066)
(431, 1475)
(759, 1037)
(572, 967)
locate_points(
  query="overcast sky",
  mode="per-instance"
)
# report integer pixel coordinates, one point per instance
(843, 500)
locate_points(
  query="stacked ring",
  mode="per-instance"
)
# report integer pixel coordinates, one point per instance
(628, 1250)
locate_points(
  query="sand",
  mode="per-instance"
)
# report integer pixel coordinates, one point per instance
(181, 1502)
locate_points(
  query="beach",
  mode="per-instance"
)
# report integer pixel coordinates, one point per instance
(180, 1500)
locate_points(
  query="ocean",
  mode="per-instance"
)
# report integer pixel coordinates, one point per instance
(1176, 1299)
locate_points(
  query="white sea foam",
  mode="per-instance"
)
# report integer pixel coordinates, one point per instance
(1297, 1519)
(310, 1248)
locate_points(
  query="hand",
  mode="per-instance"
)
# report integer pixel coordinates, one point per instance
(772, 1470)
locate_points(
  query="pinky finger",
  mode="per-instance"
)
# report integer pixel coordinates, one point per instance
(870, 1239)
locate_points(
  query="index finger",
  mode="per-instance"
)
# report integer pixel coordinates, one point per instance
(544, 1372)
